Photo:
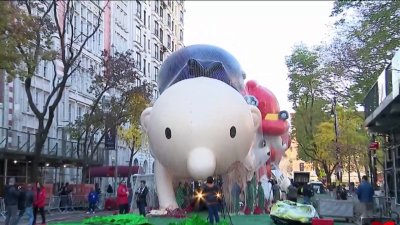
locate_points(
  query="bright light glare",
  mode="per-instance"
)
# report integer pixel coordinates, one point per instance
(218, 195)
(199, 195)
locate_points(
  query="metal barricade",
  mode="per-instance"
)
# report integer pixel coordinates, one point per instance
(79, 202)
(53, 204)
(2, 208)
(336, 208)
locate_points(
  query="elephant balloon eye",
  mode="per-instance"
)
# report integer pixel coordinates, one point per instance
(233, 131)
(168, 133)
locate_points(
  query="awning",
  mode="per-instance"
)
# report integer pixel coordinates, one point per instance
(109, 171)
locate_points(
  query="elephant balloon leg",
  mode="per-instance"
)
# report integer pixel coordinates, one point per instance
(166, 195)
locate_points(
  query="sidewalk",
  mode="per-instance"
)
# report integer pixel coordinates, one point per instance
(63, 216)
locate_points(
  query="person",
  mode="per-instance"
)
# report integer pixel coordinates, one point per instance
(122, 198)
(130, 196)
(110, 189)
(21, 204)
(188, 194)
(343, 193)
(29, 199)
(365, 193)
(65, 201)
(141, 195)
(307, 194)
(93, 199)
(211, 197)
(39, 202)
(180, 195)
(276, 191)
(292, 193)
(11, 202)
(260, 196)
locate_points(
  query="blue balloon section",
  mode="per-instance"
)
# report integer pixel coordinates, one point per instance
(201, 61)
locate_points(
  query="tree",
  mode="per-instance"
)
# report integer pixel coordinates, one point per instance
(49, 30)
(133, 135)
(367, 38)
(14, 31)
(119, 75)
(306, 94)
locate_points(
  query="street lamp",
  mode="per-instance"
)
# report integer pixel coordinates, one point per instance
(106, 103)
(336, 127)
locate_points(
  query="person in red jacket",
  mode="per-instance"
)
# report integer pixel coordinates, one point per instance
(122, 198)
(39, 202)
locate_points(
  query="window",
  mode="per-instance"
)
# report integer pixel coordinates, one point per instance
(161, 13)
(155, 73)
(173, 45)
(148, 44)
(181, 16)
(144, 41)
(144, 66)
(144, 17)
(79, 112)
(156, 51)
(37, 98)
(169, 20)
(148, 68)
(45, 68)
(169, 41)
(172, 26)
(70, 112)
(136, 162)
(161, 55)
(138, 35)
(139, 10)
(161, 35)
(181, 35)
(156, 28)
(156, 6)
(138, 61)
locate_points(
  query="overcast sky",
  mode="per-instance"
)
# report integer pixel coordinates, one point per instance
(259, 34)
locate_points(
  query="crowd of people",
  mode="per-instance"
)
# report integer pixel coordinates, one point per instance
(24, 200)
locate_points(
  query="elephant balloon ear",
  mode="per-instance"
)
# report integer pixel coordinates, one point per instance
(145, 118)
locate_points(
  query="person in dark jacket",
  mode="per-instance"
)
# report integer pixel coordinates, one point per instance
(212, 200)
(307, 194)
(365, 193)
(141, 195)
(11, 202)
(21, 204)
(93, 199)
(29, 198)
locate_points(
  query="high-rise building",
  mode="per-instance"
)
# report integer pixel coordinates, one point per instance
(152, 29)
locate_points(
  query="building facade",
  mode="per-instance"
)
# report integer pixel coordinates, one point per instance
(382, 118)
(152, 29)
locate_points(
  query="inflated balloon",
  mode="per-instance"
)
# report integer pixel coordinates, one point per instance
(274, 121)
(200, 125)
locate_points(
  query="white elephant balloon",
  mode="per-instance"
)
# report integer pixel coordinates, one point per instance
(198, 127)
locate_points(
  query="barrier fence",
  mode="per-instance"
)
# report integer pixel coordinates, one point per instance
(62, 203)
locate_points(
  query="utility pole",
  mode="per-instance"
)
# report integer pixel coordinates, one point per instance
(339, 163)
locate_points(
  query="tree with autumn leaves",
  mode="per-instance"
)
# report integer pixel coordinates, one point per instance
(344, 67)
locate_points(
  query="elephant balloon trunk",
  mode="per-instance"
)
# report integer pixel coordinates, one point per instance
(201, 163)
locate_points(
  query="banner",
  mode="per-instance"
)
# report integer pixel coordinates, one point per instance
(110, 138)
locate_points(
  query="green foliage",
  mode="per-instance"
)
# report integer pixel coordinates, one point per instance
(197, 220)
(261, 197)
(126, 219)
(367, 38)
